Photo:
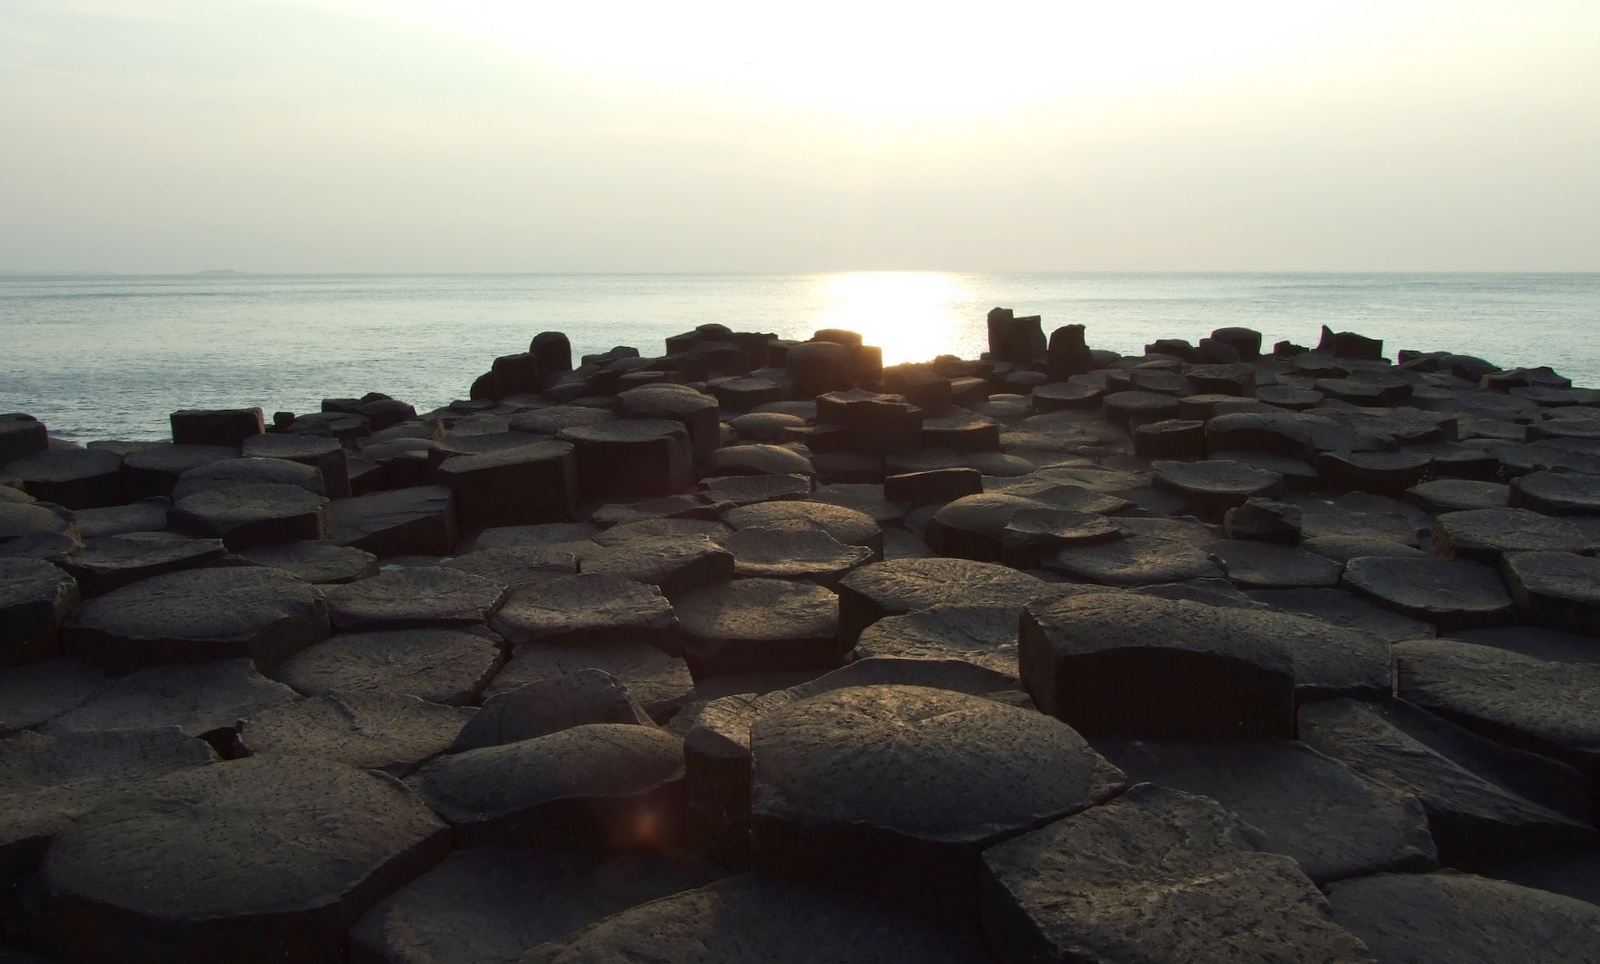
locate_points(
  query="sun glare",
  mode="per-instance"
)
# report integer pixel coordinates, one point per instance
(909, 314)
(897, 59)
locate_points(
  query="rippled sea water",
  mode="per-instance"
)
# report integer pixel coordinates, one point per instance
(111, 356)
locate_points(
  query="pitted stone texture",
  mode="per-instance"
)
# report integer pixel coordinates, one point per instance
(413, 598)
(753, 917)
(1450, 918)
(203, 699)
(588, 609)
(1137, 560)
(1486, 803)
(531, 535)
(759, 459)
(1155, 875)
(319, 563)
(604, 787)
(845, 524)
(112, 562)
(1557, 493)
(666, 528)
(1549, 708)
(900, 586)
(1124, 663)
(549, 706)
(489, 905)
(1215, 486)
(1293, 800)
(254, 860)
(38, 692)
(793, 553)
(759, 626)
(1260, 565)
(660, 683)
(1450, 593)
(196, 615)
(676, 566)
(1459, 495)
(973, 526)
(1344, 610)
(983, 635)
(1558, 590)
(368, 730)
(520, 566)
(1486, 535)
(35, 599)
(402, 522)
(753, 489)
(227, 473)
(895, 790)
(439, 665)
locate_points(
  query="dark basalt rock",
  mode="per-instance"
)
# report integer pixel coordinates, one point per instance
(368, 730)
(1459, 495)
(973, 526)
(148, 515)
(73, 478)
(829, 801)
(588, 609)
(154, 471)
(1155, 875)
(847, 525)
(1464, 919)
(226, 473)
(697, 412)
(418, 521)
(197, 615)
(1263, 520)
(1139, 559)
(1293, 800)
(632, 458)
(658, 682)
(326, 455)
(216, 426)
(793, 553)
(319, 562)
(204, 699)
(112, 562)
(600, 787)
(1343, 609)
(489, 905)
(440, 665)
(1548, 708)
(1485, 802)
(756, 917)
(21, 435)
(38, 692)
(177, 870)
(414, 597)
(899, 586)
(759, 626)
(983, 635)
(1217, 485)
(521, 485)
(247, 515)
(35, 600)
(1487, 535)
(751, 489)
(1556, 589)
(549, 706)
(675, 566)
(1557, 493)
(1450, 593)
(1260, 565)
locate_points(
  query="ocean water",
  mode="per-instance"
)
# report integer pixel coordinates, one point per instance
(110, 356)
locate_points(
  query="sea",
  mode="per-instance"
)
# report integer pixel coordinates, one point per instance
(110, 356)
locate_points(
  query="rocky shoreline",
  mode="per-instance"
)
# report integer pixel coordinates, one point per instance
(761, 650)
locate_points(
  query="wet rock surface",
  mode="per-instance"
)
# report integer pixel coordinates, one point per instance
(777, 605)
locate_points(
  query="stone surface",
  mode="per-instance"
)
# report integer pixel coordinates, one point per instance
(900, 586)
(19, 520)
(227, 473)
(319, 562)
(1464, 919)
(369, 730)
(759, 626)
(793, 553)
(1450, 593)
(1486, 803)
(489, 905)
(588, 609)
(519, 485)
(675, 566)
(111, 562)
(632, 458)
(154, 471)
(1216, 485)
(1293, 801)
(440, 665)
(147, 515)
(603, 787)
(182, 869)
(832, 773)
(846, 524)
(549, 706)
(326, 455)
(1459, 495)
(753, 917)
(414, 597)
(1138, 560)
(73, 478)
(1558, 590)
(984, 635)
(1345, 610)
(751, 489)
(203, 699)
(660, 683)
(1557, 493)
(1155, 875)
(38, 692)
(402, 522)
(196, 615)
(35, 599)
(1549, 708)
(1260, 565)
(1486, 535)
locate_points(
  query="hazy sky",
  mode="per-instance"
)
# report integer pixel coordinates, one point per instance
(494, 135)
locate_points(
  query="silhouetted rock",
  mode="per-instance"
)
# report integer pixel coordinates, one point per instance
(216, 426)
(632, 458)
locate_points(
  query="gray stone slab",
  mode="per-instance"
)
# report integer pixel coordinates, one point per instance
(1259, 565)
(588, 609)
(320, 562)
(414, 597)
(549, 706)
(1450, 593)
(111, 562)
(37, 692)
(659, 682)
(36, 598)
(846, 523)
(899, 586)
(413, 521)
(370, 730)
(1557, 590)
(440, 665)
(203, 699)
(1339, 608)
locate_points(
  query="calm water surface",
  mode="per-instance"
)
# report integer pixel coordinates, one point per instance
(109, 357)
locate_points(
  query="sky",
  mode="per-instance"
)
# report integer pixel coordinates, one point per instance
(504, 136)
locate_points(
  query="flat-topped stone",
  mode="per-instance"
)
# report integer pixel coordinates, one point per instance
(1138, 559)
(324, 454)
(793, 553)
(176, 870)
(245, 515)
(1346, 610)
(146, 515)
(203, 699)
(111, 562)
(225, 473)
(73, 478)
(517, 485)
(588, 609)
(155, 470)
(548, 706)
(603, 787)
(370, 730)
(318, 562)
(899, 586)
(1260, 565)
(38, 692)
(1464, 919)
(845, 524)
(1450, 593)
(658, 682)
(1216, 485)
(414, 521)
(632, 458)
(1558, 590)
(1155, 875)
(1557, 493)
(1486, 535)
(829, 800)
(196, 615)
(759, 626)
(1298, 802)
(35, 600)
(1459, 495)
(413, 597)
(440, 665)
